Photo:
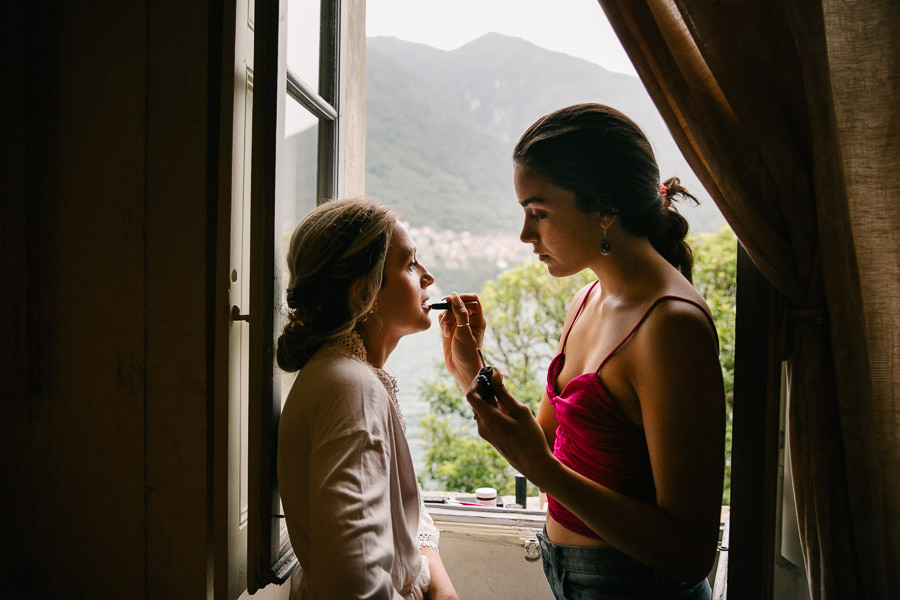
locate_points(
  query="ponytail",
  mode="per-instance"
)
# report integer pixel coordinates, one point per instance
(668, 231)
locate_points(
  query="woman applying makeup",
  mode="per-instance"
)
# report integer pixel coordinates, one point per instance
(628, 441)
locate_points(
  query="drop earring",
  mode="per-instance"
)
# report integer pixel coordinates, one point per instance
(605, 246)
(372, 311)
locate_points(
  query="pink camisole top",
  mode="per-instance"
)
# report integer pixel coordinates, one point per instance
(594, 436)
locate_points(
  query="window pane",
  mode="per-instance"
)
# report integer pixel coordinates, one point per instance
(296, 196)
(303, 28)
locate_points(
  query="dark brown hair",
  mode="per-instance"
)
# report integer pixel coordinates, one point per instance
(604, 158)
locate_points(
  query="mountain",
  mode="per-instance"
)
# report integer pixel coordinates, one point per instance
(434, 164)
(441, 126)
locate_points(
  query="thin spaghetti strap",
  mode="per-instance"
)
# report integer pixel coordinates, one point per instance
(644, 318)
(577, 314)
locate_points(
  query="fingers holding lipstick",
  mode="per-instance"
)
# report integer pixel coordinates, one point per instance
(463, 330)
(465, 312)
(459, 310)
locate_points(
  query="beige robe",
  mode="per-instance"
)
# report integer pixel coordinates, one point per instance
(348, 487)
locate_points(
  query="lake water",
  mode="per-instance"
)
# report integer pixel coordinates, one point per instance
(412, 362)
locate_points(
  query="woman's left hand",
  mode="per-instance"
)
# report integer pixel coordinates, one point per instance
(510, 427)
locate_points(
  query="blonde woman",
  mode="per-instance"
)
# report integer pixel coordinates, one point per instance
(351, 501)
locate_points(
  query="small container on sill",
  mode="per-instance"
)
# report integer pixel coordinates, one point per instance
(486, 496)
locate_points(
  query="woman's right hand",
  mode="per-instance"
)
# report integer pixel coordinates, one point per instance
(440, 588)
(463, 331)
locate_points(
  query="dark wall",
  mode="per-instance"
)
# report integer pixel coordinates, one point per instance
(111, 208)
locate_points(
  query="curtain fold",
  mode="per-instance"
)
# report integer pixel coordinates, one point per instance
(785, 110)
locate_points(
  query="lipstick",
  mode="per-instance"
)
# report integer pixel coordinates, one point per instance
(445, 305)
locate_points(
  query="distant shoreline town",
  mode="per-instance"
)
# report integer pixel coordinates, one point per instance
(456, 249)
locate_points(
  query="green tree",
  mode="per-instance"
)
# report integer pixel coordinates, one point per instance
(715, 277)
(525, 309)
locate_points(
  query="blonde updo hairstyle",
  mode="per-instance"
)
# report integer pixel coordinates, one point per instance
(336, 263)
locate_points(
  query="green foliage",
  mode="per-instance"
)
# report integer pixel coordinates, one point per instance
(459, 460)
(715, 277)
(525, 308)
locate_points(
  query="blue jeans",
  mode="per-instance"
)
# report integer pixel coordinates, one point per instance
(589, 573)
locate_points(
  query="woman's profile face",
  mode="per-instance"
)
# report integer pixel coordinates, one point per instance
(564, 238)
(402, 302)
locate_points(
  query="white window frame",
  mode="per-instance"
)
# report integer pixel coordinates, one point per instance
(251, 546)
(264, 558)
(270, 558)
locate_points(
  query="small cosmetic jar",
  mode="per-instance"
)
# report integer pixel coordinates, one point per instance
(486, 496)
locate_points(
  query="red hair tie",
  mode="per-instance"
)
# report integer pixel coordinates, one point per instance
(662, 192)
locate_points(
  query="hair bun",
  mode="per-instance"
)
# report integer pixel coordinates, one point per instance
(293, 297)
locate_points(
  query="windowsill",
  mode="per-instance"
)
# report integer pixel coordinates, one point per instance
(459, 509)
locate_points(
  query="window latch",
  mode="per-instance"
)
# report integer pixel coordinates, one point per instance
(237, 316)
(532, 549)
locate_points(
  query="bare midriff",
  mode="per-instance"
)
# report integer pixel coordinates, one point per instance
(560, 535)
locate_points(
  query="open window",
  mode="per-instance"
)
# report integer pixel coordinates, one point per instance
(295, 166)
(291, 89)
(297, 96)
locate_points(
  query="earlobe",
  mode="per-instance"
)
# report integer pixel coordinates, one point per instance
(607, 220)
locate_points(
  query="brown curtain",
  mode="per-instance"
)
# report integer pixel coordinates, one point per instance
(786, 111)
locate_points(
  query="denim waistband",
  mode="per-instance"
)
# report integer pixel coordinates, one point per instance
(582, 572)
(598, 559)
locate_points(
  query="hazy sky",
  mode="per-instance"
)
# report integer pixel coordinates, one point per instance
(575, 27)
